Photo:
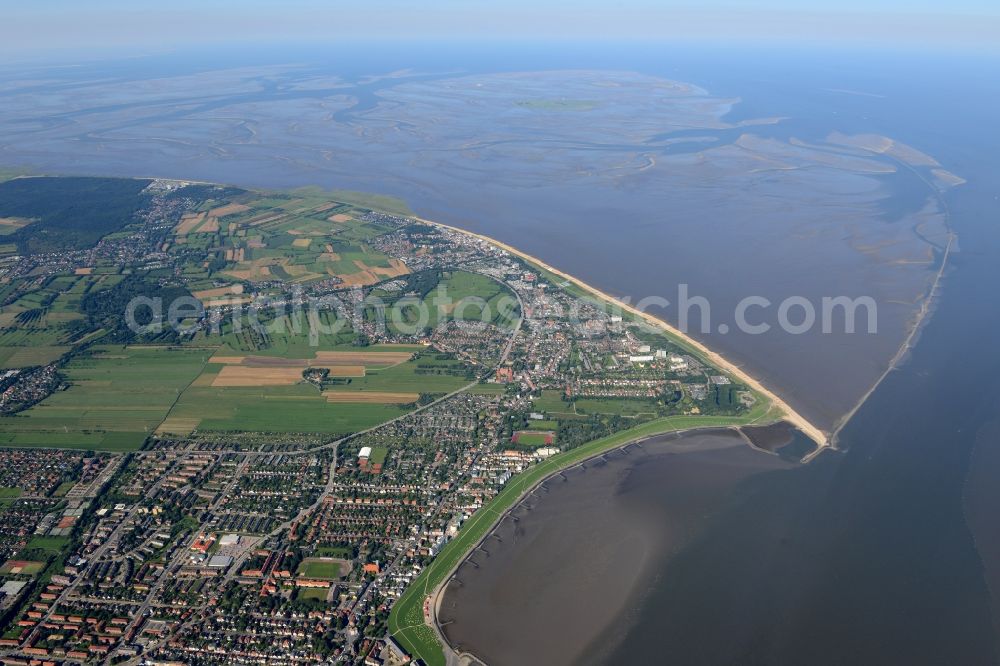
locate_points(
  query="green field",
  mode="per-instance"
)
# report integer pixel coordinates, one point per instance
(436, 377)
(317, 568)
(52, 544)
(468, 297)
(292, 238)
(63, 488)
(623, 407)
(551, 402)
(302, 407)
(298, 408)
(313, 593)
(488, 389)
(116, 397)
(333, 551)
(287, 336)
(23, 357)
(406, 622)
(7, 492)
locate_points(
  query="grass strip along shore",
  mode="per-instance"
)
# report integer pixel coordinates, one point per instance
(406, 622)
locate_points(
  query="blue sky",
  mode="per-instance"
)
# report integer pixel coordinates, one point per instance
(47, 24)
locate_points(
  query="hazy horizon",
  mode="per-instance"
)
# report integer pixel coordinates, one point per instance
(60, 25)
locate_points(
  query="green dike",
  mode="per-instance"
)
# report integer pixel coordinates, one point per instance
(406, 621)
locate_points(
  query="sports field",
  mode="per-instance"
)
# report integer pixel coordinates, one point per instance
(323, 568)
(528, 438)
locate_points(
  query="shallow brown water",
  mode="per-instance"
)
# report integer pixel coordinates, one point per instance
(576, 557)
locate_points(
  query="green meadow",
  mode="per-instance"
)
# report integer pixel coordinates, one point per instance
(116, 397)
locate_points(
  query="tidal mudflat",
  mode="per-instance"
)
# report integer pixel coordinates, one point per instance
(577, 556)
(631, 180)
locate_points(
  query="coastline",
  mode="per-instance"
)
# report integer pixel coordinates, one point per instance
(410, 614)
(821, 438)
(926, 307)
(681, 458)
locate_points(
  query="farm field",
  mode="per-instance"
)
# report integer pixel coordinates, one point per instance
(374, 397)
(296, 408)
(273, 397)
(37, 327)
(488, 389)
(117, 395)
(23, 357)
(294, 336)
(295, 239)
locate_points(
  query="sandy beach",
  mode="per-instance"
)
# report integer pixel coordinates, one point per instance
(821, 438)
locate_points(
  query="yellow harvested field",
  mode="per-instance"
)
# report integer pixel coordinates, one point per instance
(378, 397)
(227, 360)
(347, 371)
(229, 209)
(242, 375)
(251, 270)
(340, 217)
(218, 291)
(225, 302)
(324, 207)
(210, 227)
(177, 425)
(188, 222)
(370, 275)
(302, 242)
(328, 256)
(332, 358)
(395, 269)
(87, 270)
